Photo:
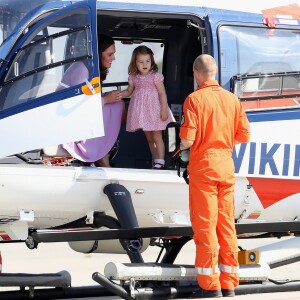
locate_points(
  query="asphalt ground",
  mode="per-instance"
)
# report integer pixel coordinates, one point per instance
(56, 257)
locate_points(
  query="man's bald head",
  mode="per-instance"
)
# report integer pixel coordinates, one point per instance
(206, 65)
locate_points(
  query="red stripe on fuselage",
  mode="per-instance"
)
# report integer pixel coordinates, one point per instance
(272, 190)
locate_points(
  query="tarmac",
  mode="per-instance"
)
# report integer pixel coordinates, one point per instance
(56, 257)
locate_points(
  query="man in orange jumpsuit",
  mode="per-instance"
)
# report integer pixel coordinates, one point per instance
(213, 122)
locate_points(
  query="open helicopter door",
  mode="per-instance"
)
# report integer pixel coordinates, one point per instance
(49, 79)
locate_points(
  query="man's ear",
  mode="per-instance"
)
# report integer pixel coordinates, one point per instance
(198, 76)
(196, 73)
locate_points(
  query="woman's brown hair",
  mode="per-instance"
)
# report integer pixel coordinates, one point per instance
(104, 42)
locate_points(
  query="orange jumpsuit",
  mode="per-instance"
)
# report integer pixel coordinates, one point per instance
(214, 119)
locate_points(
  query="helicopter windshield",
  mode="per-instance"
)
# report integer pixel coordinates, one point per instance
(12, 12)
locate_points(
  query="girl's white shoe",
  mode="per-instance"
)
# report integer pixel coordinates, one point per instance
(158, 166)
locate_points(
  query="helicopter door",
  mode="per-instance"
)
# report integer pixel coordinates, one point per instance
(49, 81)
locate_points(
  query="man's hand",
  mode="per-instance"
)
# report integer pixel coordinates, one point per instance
(185, 144)
(182, 164)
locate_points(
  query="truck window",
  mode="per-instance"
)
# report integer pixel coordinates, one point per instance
(40, 63)
(264, 65)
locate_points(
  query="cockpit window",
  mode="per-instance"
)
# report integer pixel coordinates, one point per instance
(13, 11)
(39, 65)
(265, 65)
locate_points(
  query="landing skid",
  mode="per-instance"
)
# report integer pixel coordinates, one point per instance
(151, 290)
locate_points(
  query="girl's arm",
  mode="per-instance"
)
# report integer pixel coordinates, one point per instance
(126, 93)
(163, 100)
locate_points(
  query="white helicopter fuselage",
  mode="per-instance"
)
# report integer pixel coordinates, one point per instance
(49, 196)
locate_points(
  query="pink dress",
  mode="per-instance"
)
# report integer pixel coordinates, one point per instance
(144, 107)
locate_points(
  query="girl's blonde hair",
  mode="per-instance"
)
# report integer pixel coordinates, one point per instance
(144, 50)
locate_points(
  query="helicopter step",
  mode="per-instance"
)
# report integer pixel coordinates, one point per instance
(153, 280)
(171, 272)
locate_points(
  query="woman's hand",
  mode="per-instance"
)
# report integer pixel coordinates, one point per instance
(113, 96)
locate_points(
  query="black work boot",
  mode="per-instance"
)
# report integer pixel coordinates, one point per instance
(228, 293)
(208, 294)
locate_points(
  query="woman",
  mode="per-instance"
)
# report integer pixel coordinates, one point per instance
(96, 150)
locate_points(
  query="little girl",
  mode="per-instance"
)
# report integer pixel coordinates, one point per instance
(148, 108)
